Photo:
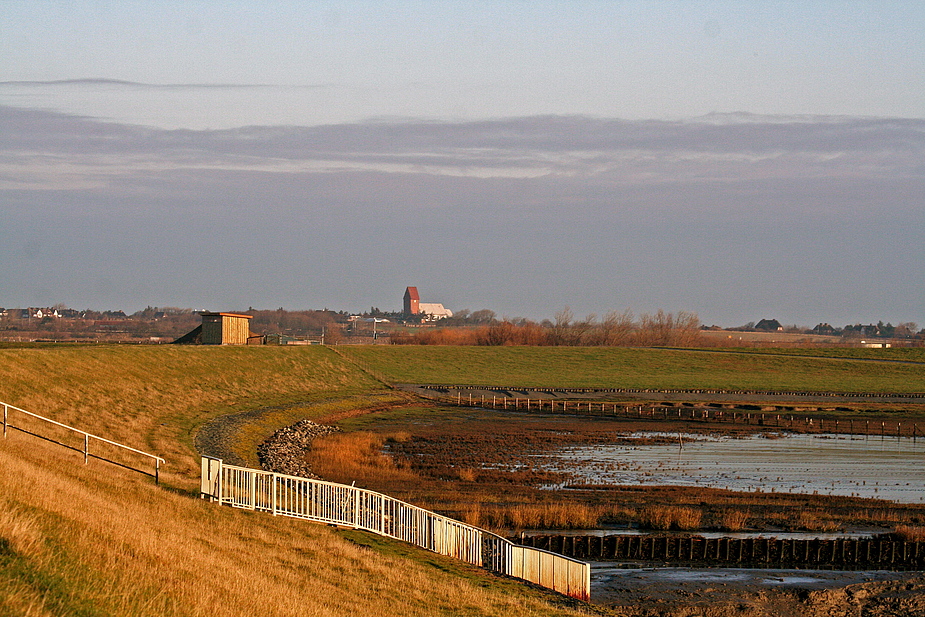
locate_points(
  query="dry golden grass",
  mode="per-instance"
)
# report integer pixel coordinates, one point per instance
(734, 520)
(153, 398)
(111, 540)
(550, 516)
(355, 457)
(670, 517)
(816, 520)
(909, 533)
(96, 539)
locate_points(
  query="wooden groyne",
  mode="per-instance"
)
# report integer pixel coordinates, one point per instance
(837, 554)
(703, 413)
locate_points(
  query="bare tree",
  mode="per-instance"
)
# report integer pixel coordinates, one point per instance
(615, 329)
(667, 329)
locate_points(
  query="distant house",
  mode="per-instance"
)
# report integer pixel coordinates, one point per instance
(413, 306)
(42, 313)
(769, 325)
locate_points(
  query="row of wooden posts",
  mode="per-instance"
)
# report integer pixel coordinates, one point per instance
(666, 412)
(843, 553)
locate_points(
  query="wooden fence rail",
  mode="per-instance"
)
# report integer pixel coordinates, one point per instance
(690, 413)
(338, 504)
(842, 554)
(86, 438)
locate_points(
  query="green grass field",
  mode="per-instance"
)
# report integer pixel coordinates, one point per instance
(855, 370)
(96, 539)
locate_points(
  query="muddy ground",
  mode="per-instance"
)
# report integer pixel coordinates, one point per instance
(686, 592)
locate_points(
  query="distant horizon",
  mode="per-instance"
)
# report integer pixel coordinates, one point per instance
(129, 313)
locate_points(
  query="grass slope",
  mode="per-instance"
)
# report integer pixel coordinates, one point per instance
(94, 539)
(856, 370)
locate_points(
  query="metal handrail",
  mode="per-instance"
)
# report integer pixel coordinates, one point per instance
(339, 504)
(87, 437)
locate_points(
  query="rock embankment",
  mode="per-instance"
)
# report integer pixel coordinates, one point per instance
(284, 452)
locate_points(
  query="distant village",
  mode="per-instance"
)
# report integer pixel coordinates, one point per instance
(418, 322)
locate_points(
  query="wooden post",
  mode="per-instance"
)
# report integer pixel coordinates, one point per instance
(6, 411)
(86, 447)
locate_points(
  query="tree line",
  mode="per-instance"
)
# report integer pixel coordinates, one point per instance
(614, 329)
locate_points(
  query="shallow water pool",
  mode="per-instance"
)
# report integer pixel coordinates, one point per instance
(891, 468)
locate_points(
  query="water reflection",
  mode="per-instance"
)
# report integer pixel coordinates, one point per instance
(888, 468)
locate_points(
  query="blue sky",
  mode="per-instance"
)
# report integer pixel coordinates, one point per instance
(741, 160)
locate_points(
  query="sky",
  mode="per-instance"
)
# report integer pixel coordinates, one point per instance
(739, 160)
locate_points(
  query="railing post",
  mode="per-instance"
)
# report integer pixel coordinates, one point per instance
(6, 409)
(86, 447)
(253, 487)
(273, 481)
(356, 508)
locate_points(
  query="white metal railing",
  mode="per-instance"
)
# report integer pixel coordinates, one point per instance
(339, 504)
(87, 439)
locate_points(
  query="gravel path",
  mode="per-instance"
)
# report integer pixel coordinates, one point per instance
(283, 452)
(215, 437)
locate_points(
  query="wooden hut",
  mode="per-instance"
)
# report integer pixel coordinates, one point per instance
(225, 328)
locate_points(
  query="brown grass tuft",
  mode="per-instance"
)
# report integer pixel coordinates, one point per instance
(664, 518)
(816, 520)
(909, 533)
(734, 520)
(354, 457)
(19, 534)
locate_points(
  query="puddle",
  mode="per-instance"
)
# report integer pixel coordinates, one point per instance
(889, 468)
(608, 574)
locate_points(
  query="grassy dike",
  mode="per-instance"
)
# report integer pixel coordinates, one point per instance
(841, 370)
(90, 540)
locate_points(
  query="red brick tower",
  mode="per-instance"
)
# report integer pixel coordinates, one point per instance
(412, 301)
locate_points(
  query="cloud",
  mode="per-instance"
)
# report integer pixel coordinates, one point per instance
(735, 217)
(715, 148)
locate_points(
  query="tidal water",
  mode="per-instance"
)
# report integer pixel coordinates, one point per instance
(890, 468)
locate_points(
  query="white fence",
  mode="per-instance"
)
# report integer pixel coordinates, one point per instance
(349, 506)
(35, 421)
